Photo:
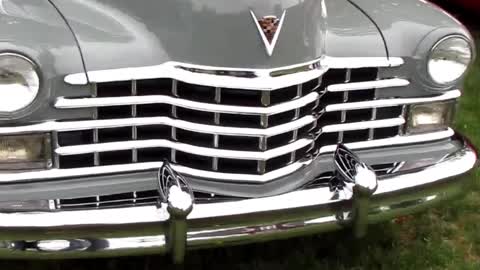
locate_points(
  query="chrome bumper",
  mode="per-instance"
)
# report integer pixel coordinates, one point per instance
(145, 230)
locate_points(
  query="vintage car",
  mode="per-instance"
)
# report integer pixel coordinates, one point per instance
(140, 127)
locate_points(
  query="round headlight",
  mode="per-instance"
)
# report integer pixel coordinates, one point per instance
(449, 59)
(19, 82)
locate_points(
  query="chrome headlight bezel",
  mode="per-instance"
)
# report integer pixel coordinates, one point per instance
(438, 75)
(19, 67)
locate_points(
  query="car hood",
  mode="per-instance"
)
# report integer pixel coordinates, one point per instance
(126, 33)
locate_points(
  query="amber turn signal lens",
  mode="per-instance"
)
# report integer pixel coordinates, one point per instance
(25, 152)
(430, 117)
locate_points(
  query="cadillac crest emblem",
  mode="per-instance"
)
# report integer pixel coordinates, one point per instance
(269, 28)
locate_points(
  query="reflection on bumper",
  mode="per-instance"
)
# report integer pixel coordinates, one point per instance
(144, 230)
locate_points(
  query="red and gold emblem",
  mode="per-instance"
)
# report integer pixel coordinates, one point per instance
(269, 28)
(269, 25)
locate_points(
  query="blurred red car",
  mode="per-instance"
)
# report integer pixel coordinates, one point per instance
(464, 5)
(471, 4)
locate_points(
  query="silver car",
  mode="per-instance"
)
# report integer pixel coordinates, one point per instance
(138, 127)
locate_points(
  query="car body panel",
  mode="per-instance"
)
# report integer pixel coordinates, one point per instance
(35, 29)
(122, 33)
(411, 28)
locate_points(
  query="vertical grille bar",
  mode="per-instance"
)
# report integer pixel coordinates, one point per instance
(297, 115)
(55, 145)
(218, 100)
(262, 164)
(134, 128)
(263, 142)
(348, 76)
(97, 201)
(401, 128)
(371, 132)
(173, 152)
(96, 155)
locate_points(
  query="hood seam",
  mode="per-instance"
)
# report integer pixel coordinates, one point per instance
(374, 23)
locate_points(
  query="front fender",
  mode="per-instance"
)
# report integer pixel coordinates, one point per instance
(36, 30)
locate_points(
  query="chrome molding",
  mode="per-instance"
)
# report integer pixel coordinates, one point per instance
(368, 85)
(196, 150)
(364, 125)
(71, 103)
(258, 79)
(147, 166)
(361, 62)
(391, 102)
(102, 170)
(146, 121)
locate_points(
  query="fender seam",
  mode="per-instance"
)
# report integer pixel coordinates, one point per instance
(374, 23)
(74, 37)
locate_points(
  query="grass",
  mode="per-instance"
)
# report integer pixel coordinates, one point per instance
(446, 237)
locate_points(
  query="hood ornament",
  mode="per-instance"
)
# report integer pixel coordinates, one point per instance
(269, 28)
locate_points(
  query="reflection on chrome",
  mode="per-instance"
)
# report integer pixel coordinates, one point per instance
(259, 79)
(235, 222)
(358, 178)
(177, 194)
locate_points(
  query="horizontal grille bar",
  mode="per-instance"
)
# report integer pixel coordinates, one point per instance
(378, 84)
(258, 79)
(398, 140)
(201, 151)
(393, 122)
(68, 103)
(102, 170)
(147, 121)
(390, 102)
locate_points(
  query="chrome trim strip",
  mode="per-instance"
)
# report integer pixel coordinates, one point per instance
(258, 79)
(146, 166)
(364, 125)
(368, 85)
(146, 121)
(361, 62)
(102, 170)
(255, 79)
(245, 178)
(71, 103)
(457, 164)
(192, 149)
(391, 102)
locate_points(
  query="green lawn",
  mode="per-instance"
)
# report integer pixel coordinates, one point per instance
(447, 237)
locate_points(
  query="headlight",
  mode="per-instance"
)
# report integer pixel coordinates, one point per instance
(25, 152)
(449, 59)
(430, 117)
(19, 82)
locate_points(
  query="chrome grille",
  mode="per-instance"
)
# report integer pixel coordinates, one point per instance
(230, 131)
(151, 197)
(135, 198)
(131, 199)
